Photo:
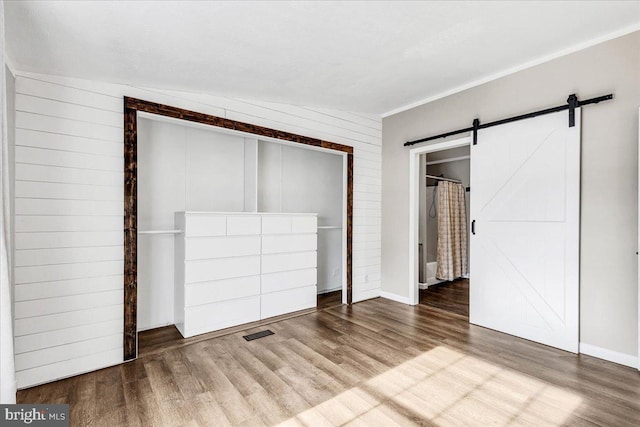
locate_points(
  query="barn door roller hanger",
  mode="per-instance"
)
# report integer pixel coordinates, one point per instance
(571, 105)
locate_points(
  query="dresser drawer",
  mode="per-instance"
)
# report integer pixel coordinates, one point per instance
(273, 282)
(205, 225)
(277, 303)
(304, 224)
(223, 268)
(289, 243)
(243, 225)
(272, 224)
(221, 247)
(221, 290)
(219, 315)
(285, 262)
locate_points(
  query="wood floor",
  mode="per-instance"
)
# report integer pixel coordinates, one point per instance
(450, 296)
(168, 337)
(329, 299)
(376, 363)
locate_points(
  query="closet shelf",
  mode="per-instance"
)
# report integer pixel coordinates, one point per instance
(160, 232)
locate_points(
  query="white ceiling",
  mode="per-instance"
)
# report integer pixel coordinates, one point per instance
(371, 57)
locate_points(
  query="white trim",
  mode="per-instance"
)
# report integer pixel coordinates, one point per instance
(414, 181)
(345, 203)
(609, 355)
(8, 62)
(638, 248)
(512, 70)
(396, 298)
(365, 295)
(153, 326)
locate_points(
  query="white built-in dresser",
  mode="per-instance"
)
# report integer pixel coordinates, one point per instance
(236, 268)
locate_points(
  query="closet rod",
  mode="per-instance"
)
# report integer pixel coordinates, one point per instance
(572, 104)
(160, 232)
(440, 178)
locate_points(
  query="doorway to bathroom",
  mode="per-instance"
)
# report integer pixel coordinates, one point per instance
(443, 229)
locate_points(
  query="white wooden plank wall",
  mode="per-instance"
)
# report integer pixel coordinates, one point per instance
(69, 204)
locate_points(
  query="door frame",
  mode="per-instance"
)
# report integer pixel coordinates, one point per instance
(131, 108)
(414, 197)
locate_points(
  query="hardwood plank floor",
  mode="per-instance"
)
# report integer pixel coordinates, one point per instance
(450, 296)
(329, 299)
(377, 363)
(168, 337)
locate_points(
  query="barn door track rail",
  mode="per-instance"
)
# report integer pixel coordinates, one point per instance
(571, 105)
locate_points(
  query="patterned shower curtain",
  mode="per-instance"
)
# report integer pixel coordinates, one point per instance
(452, 231)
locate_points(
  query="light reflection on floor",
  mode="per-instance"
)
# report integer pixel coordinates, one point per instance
(444, 387)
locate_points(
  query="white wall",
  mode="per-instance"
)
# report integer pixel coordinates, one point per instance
(609, 194)
(293, 179)
(161, 192)
(429, 225)
(179, 168)
(11, 135)
(7, 118)
(69, 204)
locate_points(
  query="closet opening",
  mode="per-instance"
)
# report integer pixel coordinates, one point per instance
(227, 229)
(439, 226)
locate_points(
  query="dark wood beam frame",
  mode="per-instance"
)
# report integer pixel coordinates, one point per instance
(131, 108)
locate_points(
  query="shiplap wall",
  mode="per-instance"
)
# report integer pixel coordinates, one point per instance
(69, 211)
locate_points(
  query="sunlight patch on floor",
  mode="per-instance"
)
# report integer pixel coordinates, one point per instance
(447, 388)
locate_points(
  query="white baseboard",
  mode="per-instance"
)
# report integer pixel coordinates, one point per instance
(424, 286)
(609, 355)
(365, 295)
(155, 326)
(397, 298)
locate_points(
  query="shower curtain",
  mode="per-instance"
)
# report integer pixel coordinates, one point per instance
(452, 231)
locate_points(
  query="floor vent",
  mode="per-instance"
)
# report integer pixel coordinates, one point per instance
(257, 335)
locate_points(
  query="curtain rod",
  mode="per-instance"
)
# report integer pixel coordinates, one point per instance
(572, 104)
(440, 178)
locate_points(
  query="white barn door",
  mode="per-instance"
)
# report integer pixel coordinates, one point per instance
(525, 201)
